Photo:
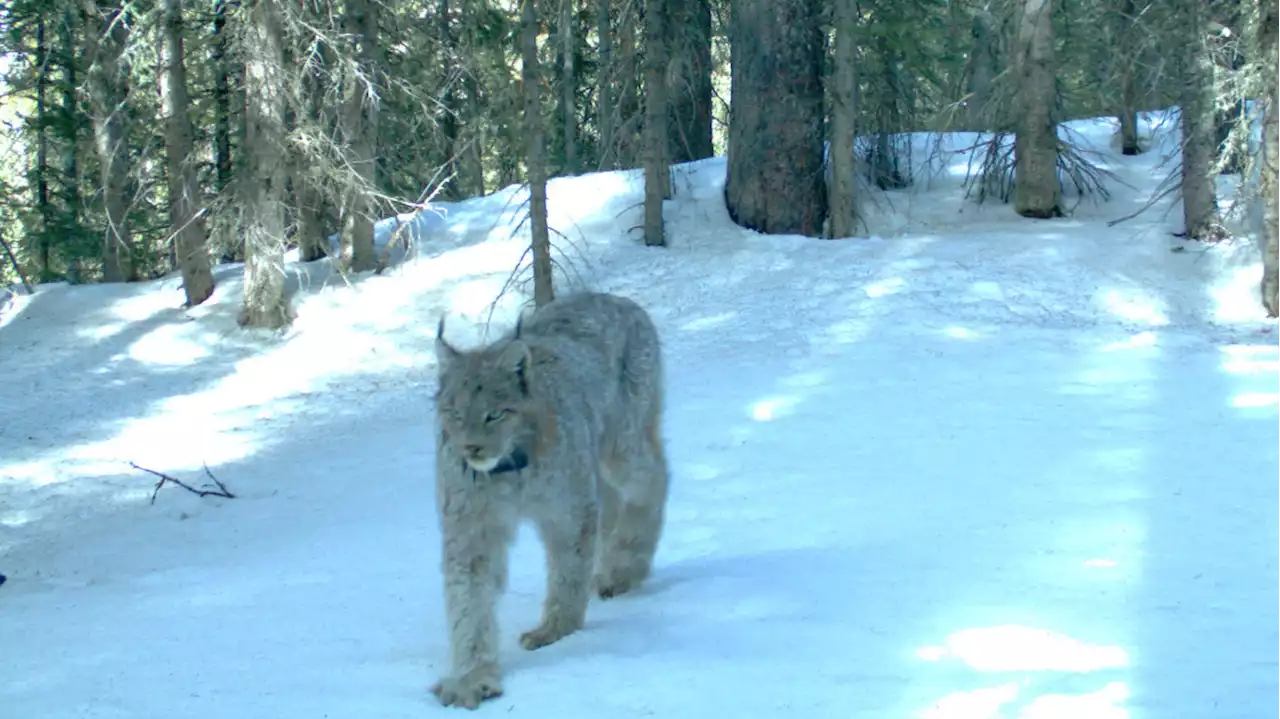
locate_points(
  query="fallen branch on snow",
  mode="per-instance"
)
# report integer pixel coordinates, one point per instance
(219, 491)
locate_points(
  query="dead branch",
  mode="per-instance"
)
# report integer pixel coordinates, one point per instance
(220, 489)
(16, 267)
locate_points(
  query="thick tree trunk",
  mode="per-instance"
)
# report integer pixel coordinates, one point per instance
(1036, 192)
(263, 198)
(656, 153)
(535, 160)
(186, 209)
(775, 182)
(844, 112)
(606, 109)
(1269, 63)
(1199, 201)
(106, 37)
(360, 129)
(689, 54)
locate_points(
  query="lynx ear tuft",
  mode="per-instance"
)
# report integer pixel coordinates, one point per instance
(445, 352)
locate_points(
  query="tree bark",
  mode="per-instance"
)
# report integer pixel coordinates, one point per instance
(656, 163)
(263, 198)
(1268, 63)
(844, 111)
(186, 209)
(689, 55)
(775, 181)
(360, 129)
(1037, 192)
(535, 160)
(1199, 200)
(627, 90)
(106, 37)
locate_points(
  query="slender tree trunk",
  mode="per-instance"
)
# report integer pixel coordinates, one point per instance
(775, 182)
(263, 198)
(1127, 48)
(47, 220)
(543, 290)
(1199, 201)
(568, 87)
(185, 207)
(1037, 193)
(450, 123)
(107, 36)
(689, 56)
(222, 68)
(605, 74)
(844, 111)
(656, 164)
(627, 127)
(308, 200)
(71, 119)
(360, 129)
(982, 72)
(1268, 63)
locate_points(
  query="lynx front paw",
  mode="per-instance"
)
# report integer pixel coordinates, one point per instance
(469, 689)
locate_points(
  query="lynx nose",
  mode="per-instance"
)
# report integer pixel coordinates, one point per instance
(472, 450)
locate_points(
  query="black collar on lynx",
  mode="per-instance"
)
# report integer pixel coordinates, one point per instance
(513, 462)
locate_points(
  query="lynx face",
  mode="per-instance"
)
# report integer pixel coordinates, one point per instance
(483, 405)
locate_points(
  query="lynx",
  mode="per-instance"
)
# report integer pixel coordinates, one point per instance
(557, 423)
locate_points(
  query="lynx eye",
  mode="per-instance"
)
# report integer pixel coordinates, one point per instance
(497, 415)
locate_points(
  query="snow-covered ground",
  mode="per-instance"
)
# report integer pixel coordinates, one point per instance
(974, 467)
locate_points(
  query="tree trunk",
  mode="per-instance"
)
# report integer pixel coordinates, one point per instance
(656, 165)
(308, 200)
(982, 73)
(626, 92)
(568, 87)
(775, 181)
(689, 54)
(1036, 192)
(360, 129)
(605, 77)
(844, 213)
(185, 207)
(221, 98)
(263, 188)
(47, 220)
(535, 161)
(106, 37)
(71, 140)
(1199, 202)
(1126, 50)
(1268, 63)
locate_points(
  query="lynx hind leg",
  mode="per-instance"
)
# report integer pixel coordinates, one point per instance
(637, 476)
(570, 541)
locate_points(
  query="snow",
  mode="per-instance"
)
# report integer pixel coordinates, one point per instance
(973, 467)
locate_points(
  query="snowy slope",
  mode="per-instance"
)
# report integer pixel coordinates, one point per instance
(973, 467)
